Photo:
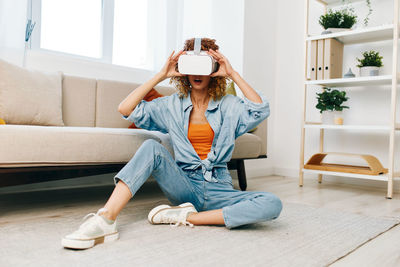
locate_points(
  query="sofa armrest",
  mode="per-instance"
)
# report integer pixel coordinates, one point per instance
(261, 132)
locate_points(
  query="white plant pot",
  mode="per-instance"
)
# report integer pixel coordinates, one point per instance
(333, 30)
(328, 117)
(332, 117)
(369, 71)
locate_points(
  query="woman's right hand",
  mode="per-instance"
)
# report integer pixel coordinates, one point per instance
(169, 69)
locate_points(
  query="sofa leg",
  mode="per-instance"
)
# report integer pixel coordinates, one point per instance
(241, 172)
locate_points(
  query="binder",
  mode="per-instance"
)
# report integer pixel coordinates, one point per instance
(312, 75)
(320, 59)
(333, 59)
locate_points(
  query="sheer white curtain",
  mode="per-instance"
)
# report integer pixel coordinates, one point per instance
(164, 24)
(12, 30)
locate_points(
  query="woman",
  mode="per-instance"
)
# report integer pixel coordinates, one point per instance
(203, 124)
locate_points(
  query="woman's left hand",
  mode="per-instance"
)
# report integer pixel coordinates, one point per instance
(225, 68)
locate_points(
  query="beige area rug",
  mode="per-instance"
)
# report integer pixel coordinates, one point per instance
(302, 236)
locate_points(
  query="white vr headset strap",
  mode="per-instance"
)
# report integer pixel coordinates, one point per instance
(197, 46)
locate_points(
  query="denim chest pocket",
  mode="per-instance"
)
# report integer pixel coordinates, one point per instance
(214, 118)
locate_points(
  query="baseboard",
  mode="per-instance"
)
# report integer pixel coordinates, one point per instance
(286, 172)
(258, 172)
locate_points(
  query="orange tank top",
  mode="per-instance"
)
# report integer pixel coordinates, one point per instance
(201, 136)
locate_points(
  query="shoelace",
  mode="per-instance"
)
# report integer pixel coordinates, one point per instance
(94, 214)
(181, 221)
(184, 223)
(85, 219)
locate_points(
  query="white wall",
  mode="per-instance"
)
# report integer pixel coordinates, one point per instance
(289, 77)
(259, 60)
(228, 24)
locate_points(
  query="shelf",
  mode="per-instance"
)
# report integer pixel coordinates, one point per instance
(316, 125)
(362, 35)
(382, 177)
(356, 81)
(335, 2)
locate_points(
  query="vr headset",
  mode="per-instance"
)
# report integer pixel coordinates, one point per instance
(197, 62)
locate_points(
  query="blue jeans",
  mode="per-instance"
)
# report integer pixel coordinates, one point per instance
(179, 186)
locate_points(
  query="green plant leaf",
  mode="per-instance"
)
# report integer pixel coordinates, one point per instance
(331, 100)
(370, 59)
(344, 18)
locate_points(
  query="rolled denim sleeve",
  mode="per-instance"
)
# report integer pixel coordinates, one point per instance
(250, 114)
(150, 115)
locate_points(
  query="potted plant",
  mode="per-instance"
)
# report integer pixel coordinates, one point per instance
(340, 20)
(370, 63)
(330, 105)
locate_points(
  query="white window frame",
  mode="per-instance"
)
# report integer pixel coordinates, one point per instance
(107, 28)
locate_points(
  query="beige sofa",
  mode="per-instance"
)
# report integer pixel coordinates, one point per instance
(95, 138)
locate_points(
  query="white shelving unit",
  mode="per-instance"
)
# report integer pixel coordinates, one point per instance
(371, 34)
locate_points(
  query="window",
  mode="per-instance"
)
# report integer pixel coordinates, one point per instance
(111, 31)
(72, 26)
(130, 33)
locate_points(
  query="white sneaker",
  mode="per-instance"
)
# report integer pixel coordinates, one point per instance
(95, 230)
(165, 214)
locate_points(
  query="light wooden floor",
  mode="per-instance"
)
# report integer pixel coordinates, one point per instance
(384, 250)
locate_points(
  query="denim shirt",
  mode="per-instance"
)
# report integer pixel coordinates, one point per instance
(229, 117)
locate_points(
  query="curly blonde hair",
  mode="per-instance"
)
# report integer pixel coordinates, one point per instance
(217, 85)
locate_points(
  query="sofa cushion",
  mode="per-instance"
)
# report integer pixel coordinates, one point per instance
(79, 101)
(50, 145)
(109, 95)
(247, 146)
(30, 97)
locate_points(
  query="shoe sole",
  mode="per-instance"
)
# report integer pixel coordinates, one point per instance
(84, 244)
(160, 208)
